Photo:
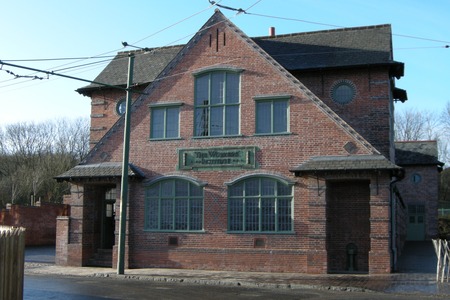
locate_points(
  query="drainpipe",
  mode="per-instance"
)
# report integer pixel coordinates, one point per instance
(393, 223)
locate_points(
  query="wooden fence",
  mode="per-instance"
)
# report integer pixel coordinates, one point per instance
(443, 259)
(12, 257)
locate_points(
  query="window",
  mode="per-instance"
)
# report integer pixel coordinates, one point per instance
(165, 121)
(121, 106)
(174, 205)
(260, 204)
(343, 92)
(217, 97)
(416, 178)
(272, 115)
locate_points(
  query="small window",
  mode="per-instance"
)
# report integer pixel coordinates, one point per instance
(121, 107)
(164, 122)
(343, 92)
(416, 178)
(174, 205)
(217, 99)
(272, 115)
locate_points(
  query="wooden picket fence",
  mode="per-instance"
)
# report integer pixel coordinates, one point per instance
(12, 258)
(441, 247)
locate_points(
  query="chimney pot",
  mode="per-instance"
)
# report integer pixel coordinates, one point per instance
(271, 31)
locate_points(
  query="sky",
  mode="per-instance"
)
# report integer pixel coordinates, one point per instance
(36, 33)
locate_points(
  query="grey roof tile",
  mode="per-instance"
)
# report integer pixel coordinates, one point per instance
(147, 66)
(346, 163)
(331, 48)
(300, 51)
(99, 170)
(417, 153)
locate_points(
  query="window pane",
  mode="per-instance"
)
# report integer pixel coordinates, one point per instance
(280, 116)
(284, 215)
(284, 190)
(263, 117)
(232, 92)
(268, 214)
(252, 187)
(153, 191)
(236, 215)
(152, 214)
(196, 191)
(181, 214)
(157, 130)
(251, 214)
(232, 120)
(267, 187)
(172, 121)
(167, 188)
(201, 89)
(166, 214)
(237, 190)
(217, 88)
(202, 121)
(217, 120)
(181, 188)
(196, 214)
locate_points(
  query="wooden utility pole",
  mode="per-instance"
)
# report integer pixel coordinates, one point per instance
(124, 181)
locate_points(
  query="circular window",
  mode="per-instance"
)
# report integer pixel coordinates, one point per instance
(121, 107)
(416, 178)
(343, 92)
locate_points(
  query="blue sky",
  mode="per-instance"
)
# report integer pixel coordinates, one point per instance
(85, 28)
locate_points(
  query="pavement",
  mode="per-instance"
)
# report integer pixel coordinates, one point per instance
(416, 275)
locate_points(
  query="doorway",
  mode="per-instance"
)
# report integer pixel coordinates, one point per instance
(108, 219)
(416, 223)
(348, 226)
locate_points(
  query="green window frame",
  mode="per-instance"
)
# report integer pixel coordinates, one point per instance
(260, 204)
(217, 103)
(272, 114)
(165, 121)
(174, 205)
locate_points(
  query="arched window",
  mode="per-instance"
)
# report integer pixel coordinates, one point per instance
(260, 204)
(174, 205)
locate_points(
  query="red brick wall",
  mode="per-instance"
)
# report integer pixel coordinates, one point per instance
(369, 113)
(39, 221)
(423, 193)
(313, 133)
(103, 111)
(348, 220)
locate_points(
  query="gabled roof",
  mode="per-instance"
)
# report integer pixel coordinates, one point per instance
(337, 48)
(417, 153)
(98, 171)
(147, 66)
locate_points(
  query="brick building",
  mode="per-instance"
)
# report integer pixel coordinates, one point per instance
(259, 154)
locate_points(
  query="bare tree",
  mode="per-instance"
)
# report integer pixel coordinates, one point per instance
(414, 125)
(32, 154)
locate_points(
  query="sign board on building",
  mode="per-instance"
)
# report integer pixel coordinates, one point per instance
(218, 158)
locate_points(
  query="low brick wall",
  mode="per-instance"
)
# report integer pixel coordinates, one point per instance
(39, 221)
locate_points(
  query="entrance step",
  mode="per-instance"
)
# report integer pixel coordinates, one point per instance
(103, 258)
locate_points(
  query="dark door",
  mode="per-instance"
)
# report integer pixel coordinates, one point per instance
(108, 225)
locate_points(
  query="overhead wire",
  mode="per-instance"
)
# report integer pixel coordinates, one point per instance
(339, 26)
(102, 54)
(213, 3)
